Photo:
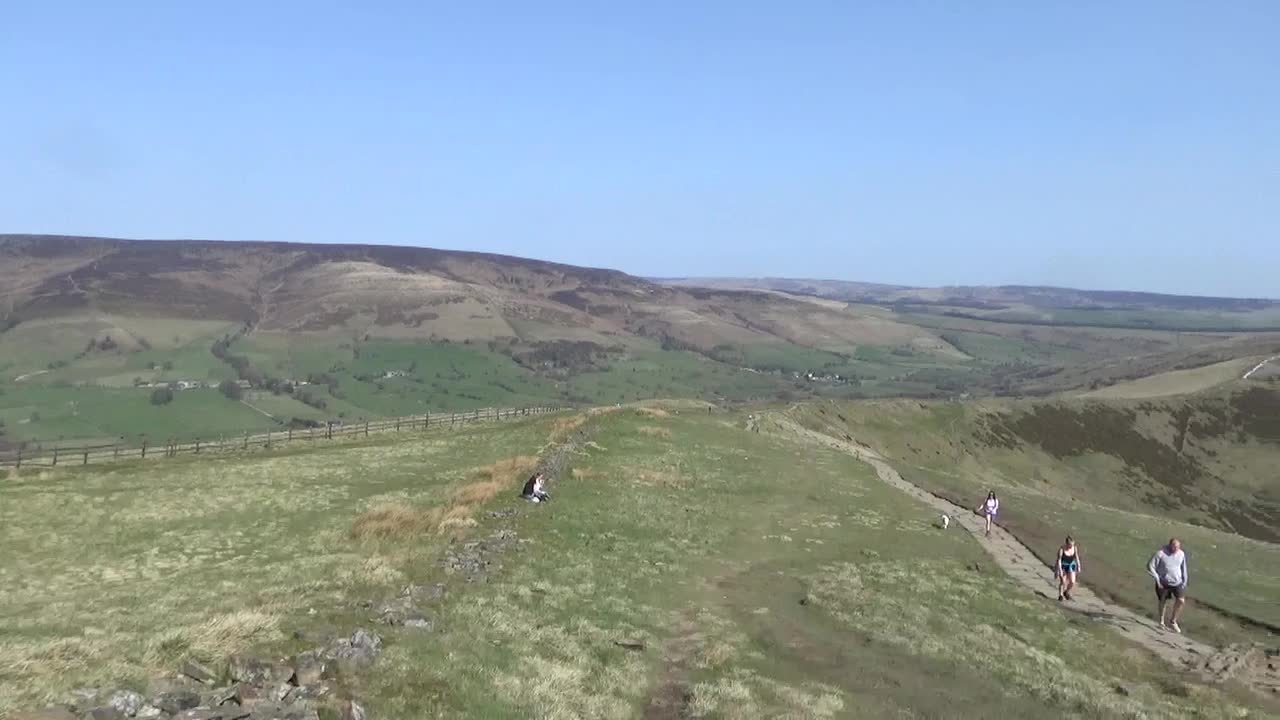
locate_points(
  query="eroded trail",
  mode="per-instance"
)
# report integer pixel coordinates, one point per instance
(1022, 565)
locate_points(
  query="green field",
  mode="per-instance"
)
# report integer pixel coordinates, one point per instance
(64, 373)
(45, 415)
(686, 568)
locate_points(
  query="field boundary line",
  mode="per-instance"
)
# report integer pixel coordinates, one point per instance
(60, 455)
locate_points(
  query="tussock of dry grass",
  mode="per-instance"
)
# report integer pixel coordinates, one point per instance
(654, 431)
(653, 412)
(219, 636)
(584, 473)
(504, 471)
(562, 428)
(401, 520)
(394, 520)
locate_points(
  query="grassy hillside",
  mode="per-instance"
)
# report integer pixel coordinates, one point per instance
(686, 568)
(1121, 476)
(91, 323)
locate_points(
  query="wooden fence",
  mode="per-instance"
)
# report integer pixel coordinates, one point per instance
(61, 455)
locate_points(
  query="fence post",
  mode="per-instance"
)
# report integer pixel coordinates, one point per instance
(246, 442)
(19, 462)
(115, 451)
(86, 456)
(397, 424)
(268, 445)
(144, 448)
(197, 446)
(55, 455)
(426, 421)
(290, 438)
(366, 428)
(328, 434)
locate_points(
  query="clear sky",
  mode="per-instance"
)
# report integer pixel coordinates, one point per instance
(1129, 145)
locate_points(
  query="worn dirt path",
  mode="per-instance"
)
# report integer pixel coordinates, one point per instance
(1022, 565)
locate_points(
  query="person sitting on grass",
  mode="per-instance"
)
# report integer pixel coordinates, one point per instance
(1067, 568)
(533, 489)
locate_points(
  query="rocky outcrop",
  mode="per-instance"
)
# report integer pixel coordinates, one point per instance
(248, 688)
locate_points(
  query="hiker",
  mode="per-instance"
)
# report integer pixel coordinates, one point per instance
(1169, 568)
(1067, 568)
(533, 489)
(989, 508)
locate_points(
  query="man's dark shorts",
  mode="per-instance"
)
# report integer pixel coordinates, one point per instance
(1169, 593)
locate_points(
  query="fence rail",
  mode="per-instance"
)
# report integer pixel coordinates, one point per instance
(59, 455)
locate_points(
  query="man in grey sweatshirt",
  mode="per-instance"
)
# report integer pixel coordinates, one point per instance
(1169, 567)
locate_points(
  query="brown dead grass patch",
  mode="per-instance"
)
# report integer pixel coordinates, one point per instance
(403, 520)
(562, 428)
(584, 473)
(395, 520)
(653, 412)
(654, 431)
(490, 481)
(506, 470)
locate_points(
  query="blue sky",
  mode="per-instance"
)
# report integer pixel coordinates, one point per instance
(1093, 144)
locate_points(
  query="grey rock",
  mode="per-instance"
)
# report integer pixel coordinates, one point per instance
(151, 712)
(423, 593)
(309, 667)
(280, 711)
(206, 713)
(175, 701)
(314, 691)
(126, 702)
(223, 696)
(103, 713)
(419, 623)
(282, 692)
(352, 710)
(198, 672)
(256, 671)
(366, 640)
(49, 713)
(361, 649)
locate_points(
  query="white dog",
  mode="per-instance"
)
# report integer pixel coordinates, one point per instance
(946, 521)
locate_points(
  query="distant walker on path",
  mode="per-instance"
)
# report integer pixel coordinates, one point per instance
(1169, 568)
(1067, 568)
(989, 508)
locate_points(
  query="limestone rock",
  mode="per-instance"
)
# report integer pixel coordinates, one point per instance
(126, 702)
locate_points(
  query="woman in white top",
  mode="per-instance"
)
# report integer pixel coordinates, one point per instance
(989, 508)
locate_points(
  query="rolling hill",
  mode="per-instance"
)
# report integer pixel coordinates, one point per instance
(89, 327)
(1031, 305)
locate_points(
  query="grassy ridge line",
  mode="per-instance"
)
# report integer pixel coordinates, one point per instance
(86, 454)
